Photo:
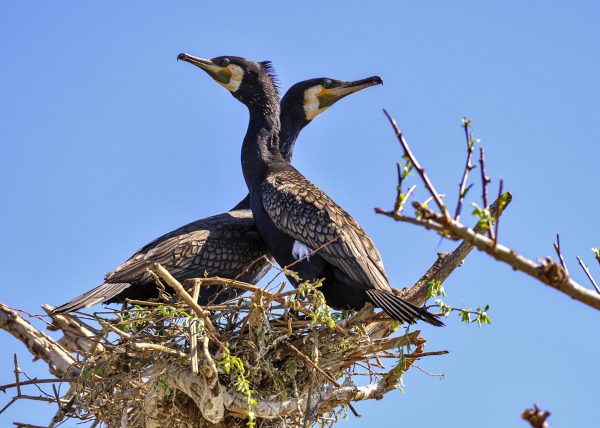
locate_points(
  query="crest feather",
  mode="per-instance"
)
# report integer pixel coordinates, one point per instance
(270, 70)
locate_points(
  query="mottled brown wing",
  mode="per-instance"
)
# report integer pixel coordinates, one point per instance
(223, 245)
(301, 210)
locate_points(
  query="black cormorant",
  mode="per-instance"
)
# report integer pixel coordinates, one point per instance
(300, 224)
(227, 245)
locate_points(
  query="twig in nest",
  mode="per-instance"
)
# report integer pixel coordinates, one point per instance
(3, 388)
(317, 368)
(175, 285)
(194, 332)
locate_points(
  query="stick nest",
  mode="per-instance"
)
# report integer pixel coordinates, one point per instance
(264, 359)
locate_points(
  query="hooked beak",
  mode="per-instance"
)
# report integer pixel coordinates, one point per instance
(220, 74)
(331, 95)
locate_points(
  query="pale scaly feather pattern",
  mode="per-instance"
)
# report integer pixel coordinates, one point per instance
(301, 210)
(226, 245)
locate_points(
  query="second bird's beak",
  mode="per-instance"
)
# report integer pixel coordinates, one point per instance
(329, 96)
(220, 74)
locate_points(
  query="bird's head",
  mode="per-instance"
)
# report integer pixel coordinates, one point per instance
(247, 80)
(312, 97)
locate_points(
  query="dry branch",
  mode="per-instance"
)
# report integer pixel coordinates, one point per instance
(137, 368)
(41, 346)
(547, 271)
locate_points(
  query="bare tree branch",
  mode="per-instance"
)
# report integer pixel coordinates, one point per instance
(447, 263)
(559, 253)
(547, 271)
(59, 361)
(588, 274)
(463, 189)
(408, 153)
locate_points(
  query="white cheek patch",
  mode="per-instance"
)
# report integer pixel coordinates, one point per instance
(237, 75)
(311, 102)
(300, 251)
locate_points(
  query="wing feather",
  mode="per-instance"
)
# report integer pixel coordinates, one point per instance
(222, 245)
(301, 210)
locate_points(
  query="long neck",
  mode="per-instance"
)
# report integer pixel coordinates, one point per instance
(261, 143)
(290, 129)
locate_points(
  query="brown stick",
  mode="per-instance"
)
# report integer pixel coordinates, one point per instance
(462, 186)
(447, 263)
(194, 332)
(231, 283)
(417, 165)
(548, 272)
(184, 295)
(3, 388)
(40, 345)
(588, 274)
(560, 254)
(485, 180)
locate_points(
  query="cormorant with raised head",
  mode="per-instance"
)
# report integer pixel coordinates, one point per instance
(299, 223)
(227, 245)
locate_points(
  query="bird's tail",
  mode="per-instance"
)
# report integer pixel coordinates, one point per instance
(399, 309)
(100, 294)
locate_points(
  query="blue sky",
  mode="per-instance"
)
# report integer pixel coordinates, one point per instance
(107, 142)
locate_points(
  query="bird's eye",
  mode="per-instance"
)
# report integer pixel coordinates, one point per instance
(326, 83)
(225, 62)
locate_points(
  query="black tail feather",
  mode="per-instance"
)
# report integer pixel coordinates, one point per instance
(100, 294)
(399, 309)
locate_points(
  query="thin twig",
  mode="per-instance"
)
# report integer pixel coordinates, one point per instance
(41, 345)
(175, 285)
(588, 274)
(485, 180)
(3, 388)
(497, 222)
(24, 425)
(548, 272)
(194, 332)
(418, 167)
(427, 224)
(317, 368)
(559, 253)
(17, 382)
(230, 283)
(463, 189)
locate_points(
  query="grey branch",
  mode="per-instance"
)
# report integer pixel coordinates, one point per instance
(41, 346)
